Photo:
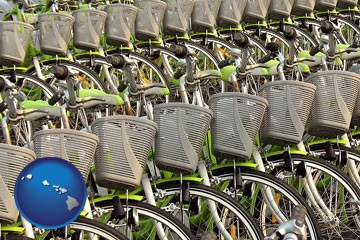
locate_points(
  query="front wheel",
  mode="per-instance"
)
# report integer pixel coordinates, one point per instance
(207, 211)
(251, 195)
(141, 220)
(340, 195)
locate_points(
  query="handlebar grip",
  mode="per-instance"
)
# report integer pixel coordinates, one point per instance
(115, 61)
(2, 84)
(3, 106)
(180, 51)
(225, 63)
(299, 213)
(290, 33)
(355, 44)
(178, 74)
(61, 72)
(241, 40)
(326, 26)
(265, 59)
(272, 46)
(314, 50)
(54, 99)
(122, 86)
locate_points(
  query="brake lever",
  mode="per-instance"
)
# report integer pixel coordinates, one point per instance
(88, 99)
(304, 59)
(23, 112)
(257, 65)
(348, 50)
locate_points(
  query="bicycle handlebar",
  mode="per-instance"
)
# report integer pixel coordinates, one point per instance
(290, 33)
(60, 72)
(3, 106)
(54, 99)
(314, 50)
(116, 61)
(326, 26)
(180, 51)
(265, 59)
(2, 84)
(241, 40)
(225, 63)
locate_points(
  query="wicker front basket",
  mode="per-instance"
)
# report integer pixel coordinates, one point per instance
(288, 110)
(256, 10)
(14, 41)
(280, 9)
(236, 122)
(231, 13)
(177, 16)
(356, 113)
(346, 3)
(55, 32)
(335, 99)
(119, 23)
(13, 159)
(181, 133)
(204, 15)
(302, 7)
(149, 18)
(125, 142)
(88, 27)
(74, 146)
(325, 5)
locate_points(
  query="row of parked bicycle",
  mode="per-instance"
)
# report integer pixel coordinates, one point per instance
(188, 119)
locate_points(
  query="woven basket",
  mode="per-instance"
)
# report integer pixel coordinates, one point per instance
(325, 5)
(177, 16)
(236, 122)
(302, 7)
(181, 133)
(119, 23)
(280, 9)
(256, 10)
(346, 3)
(14, 41)
(231, 13)
(288, 110)
(55, 32)
(13, 160)
(88, 27)
(125, 143)
(356, 113)
(204, 15)
(149, 18)
(334, 104)
(74, 146)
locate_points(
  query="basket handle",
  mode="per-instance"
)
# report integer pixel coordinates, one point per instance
(6, 197)
(152, 20)
(293, 115)
(90, 27)
(18, 44)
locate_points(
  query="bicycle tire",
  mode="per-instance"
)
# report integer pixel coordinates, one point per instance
(9, 236)
(46, 88)
(225, 204)
(22, 131)
(98, 62)
(206, 61)
(92, 79)
(88, 226)
(153, 212)
(325, 172)
(350, 154)
(249, 176)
